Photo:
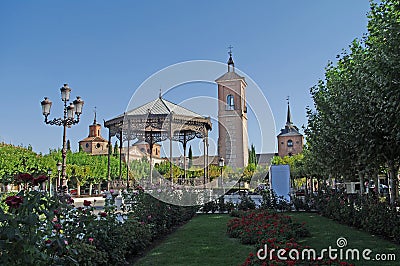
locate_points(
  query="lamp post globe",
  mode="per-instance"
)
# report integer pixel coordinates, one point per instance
(46, 106)
(65, 93)
(78, 103)
(221, 162)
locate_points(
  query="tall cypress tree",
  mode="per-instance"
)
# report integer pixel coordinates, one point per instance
(68, 145)
(116, 149)
(190, 156)
(252, 155)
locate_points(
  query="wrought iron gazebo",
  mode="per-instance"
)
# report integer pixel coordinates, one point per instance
(157, 121)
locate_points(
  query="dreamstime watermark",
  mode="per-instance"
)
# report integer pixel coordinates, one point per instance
(340, 252)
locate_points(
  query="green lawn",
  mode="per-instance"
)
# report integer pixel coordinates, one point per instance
(202, 241)
(325, 232)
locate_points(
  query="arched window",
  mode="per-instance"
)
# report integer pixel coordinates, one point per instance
(290, 143)
(230, 102)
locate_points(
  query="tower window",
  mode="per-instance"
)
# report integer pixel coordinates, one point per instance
(290, 143)
(230, 103)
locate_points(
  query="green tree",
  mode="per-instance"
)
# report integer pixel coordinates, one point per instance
(252, 155)
(68, 145)
(354, 127)
(190, 157)
(116, 149)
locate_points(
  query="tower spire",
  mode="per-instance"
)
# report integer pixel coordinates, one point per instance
(289, 117)
(95, 116)
(230, 60)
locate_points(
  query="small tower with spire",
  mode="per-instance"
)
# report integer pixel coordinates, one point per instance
(290, 140)
(94, 144)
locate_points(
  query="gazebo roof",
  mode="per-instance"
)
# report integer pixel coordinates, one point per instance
(161, 106)
(160, 116)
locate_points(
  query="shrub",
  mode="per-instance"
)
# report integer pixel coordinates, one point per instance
(246, 203)
(365, 212)
(37, 229)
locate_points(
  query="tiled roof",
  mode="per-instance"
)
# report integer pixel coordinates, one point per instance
(229, 76)
(94, 139)
(142, 142)
(264, 158)
(290, 131)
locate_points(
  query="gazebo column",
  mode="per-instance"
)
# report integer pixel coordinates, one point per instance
(108, 160)
(128, 155)
(170, 149)
(204, 161)
(120, 155)
(127, 164)
(184, 155)
(207, 162)
(151, 157)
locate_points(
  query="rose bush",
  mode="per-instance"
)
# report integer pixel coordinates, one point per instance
(277, 231)
(364, 212)
(36, 229)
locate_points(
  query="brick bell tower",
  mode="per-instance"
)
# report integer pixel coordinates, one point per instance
(290, 140)
(232, 117)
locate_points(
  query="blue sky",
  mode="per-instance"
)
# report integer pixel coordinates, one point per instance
(106, 49)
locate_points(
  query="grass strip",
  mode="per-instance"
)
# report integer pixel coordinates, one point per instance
(201, 241)
(325, 232)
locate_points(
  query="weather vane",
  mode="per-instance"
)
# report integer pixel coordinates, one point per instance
(230, 50)
(287, 99)
(95, 113)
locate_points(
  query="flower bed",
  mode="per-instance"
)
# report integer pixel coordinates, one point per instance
(362, 212)
(270, 231)
(36, 229)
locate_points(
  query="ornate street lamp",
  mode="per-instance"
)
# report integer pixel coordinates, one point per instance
(68, 120)
(221, 164)
(49, 172)
(59, 166)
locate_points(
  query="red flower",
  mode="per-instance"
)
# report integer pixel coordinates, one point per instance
(40, 179)
(70, 200)
(23, 178)
(57, 227)
(14, 201)
(87, 203)
(103, 214)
